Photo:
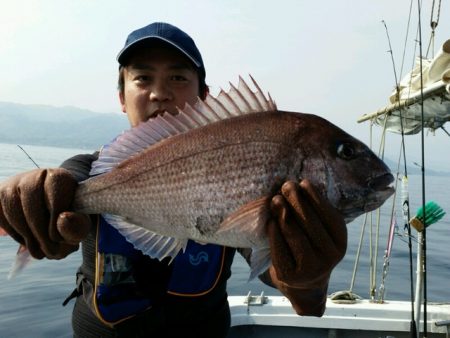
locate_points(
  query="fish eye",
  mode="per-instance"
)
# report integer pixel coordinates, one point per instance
(346, 151)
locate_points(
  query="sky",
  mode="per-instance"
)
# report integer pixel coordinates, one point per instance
(328, 58)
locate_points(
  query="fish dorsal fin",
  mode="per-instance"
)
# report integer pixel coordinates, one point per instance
(237, 101)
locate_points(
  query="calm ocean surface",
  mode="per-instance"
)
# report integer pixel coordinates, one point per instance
(30, 305)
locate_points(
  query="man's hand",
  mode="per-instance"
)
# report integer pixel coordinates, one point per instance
(34, 210)
(308, 238)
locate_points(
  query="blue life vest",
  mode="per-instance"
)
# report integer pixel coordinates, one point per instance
(116, 296)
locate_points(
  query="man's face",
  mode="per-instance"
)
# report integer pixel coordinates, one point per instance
(157, 80)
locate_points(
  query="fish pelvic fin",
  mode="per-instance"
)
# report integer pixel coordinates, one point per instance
(22, 260)
(237, 101)
(149, 243)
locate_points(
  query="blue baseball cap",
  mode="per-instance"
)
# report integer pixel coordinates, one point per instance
(161, 31)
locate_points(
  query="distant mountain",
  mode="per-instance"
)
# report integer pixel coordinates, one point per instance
(414, 169)
(67, 127)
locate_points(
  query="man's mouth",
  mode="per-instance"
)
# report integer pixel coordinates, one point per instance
(157, 112)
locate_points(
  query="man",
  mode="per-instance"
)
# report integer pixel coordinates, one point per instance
(120, 291)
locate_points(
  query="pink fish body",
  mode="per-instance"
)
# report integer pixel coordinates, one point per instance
(208, 173)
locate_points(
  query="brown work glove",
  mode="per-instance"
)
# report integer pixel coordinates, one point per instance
(308, 237)
(35, 211)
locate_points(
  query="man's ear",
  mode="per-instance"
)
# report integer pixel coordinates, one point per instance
(122, 101)
(205, 92)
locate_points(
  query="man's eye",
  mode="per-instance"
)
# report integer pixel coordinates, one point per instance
(142, 78)
(178, 78)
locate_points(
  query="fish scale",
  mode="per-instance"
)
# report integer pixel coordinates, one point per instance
(214, 183)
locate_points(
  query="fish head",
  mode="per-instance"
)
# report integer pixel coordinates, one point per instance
(345, 170)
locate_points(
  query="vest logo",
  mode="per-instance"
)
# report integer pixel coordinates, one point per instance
(195, 260)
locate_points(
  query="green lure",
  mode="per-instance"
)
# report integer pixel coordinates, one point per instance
(433, 213)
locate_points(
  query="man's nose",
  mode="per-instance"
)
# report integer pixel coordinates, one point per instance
(160, 92)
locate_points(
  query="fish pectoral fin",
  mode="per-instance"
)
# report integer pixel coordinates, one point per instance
(260, 261)
(151, 244)
(250, 218)
(250, 221)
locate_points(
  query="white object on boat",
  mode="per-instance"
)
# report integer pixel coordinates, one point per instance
(435, 77)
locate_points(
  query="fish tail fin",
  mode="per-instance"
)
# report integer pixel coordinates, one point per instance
(21, 261)
(260, 261)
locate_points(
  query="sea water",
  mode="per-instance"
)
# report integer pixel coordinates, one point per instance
(31, 304)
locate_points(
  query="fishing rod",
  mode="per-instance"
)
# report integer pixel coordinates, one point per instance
(424, 232)
(445, 130)
(23, 257)
(405, 194)
(28, 156)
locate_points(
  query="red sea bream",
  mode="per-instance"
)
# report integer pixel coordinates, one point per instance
(208, 173)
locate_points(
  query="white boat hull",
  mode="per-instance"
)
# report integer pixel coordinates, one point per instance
(390, 319)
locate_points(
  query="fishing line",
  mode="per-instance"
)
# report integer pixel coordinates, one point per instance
(363, 230)
(397, 89)
(358, 254)
(374, 255)
(392, 232)
(406, 37)
(349, 295)
(372, 269)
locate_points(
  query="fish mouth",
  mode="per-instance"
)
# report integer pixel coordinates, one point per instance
(382, 182)
(380, 188)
